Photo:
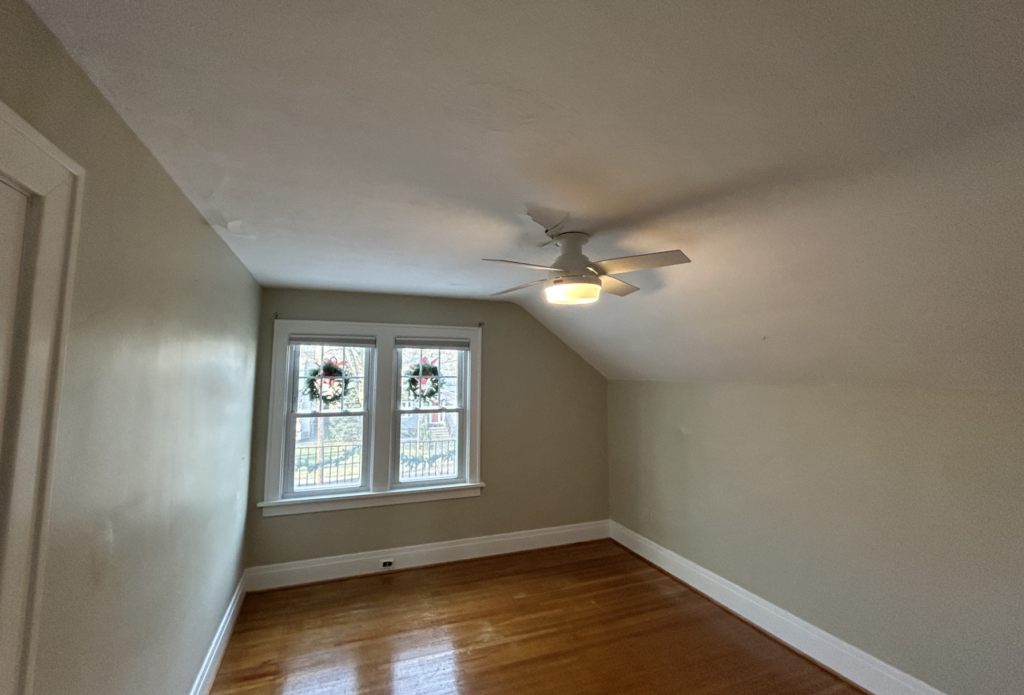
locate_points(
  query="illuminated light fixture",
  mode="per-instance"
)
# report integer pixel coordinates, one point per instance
(573, 290)
(575, 279)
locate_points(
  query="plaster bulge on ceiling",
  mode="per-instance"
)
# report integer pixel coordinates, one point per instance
(871, 152)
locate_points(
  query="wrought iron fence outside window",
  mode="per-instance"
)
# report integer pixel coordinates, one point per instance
(321, 466)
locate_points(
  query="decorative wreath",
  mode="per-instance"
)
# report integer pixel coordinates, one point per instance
(335, 385)
(422, 381)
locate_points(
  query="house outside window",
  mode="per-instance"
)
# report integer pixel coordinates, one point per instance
(371, 414)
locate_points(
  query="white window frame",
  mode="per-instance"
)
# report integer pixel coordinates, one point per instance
(381, 484)
(396, 422)
(291, 388)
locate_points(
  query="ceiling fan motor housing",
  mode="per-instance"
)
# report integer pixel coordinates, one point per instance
(574, 281)
(572, 263)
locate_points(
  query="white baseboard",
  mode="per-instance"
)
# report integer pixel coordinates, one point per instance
(870, 673)
(285, 574)
(208, 671)
(858, 666)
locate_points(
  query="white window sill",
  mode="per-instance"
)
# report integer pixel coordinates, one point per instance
(306, 505)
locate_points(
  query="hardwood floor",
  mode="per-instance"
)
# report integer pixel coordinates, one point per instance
(586, 618)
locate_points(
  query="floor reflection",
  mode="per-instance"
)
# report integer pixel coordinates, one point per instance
(427, 665)
(330, 678)
(412, 663)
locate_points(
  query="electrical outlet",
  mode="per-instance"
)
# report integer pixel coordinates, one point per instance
(387, 564)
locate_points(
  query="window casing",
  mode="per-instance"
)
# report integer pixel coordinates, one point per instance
(371, 414)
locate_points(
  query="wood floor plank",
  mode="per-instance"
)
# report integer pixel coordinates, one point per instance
(585, 618)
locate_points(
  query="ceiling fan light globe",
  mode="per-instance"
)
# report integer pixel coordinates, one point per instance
(581, 291)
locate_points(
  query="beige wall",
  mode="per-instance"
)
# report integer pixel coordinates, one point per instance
(543, 444)
(890, 517)
(152, 459)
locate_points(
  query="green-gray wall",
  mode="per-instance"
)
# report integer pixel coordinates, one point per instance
(543, 444)
(148, 491)
(892, 518)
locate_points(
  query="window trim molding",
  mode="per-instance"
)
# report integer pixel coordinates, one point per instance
(355, 500)
(379, 489)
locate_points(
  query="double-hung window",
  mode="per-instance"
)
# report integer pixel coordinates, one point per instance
(329, 416)
(371, 414)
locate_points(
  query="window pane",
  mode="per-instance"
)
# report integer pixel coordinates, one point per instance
(340, 394)
(306, 403)
(449, 361)
(308, 358)
(412, 357)
(429, 446)
(356, 396)
(449, 397)
(328, 452)
(353, 359)
(429, 378)
(331, 378)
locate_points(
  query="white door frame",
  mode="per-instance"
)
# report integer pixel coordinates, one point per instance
(53, 184)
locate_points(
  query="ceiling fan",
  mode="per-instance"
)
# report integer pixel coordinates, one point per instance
(575, 279)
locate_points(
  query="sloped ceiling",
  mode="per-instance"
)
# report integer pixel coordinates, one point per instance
(847, 177)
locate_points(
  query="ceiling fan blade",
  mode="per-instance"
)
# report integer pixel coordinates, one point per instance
(627, 264)
(548, 218)
(616, 286)
(518, 287)
(527, 265)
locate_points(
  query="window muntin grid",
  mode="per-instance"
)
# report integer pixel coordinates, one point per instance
(429, 443)
(328, 440)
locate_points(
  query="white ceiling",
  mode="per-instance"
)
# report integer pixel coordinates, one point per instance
(862, 164)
